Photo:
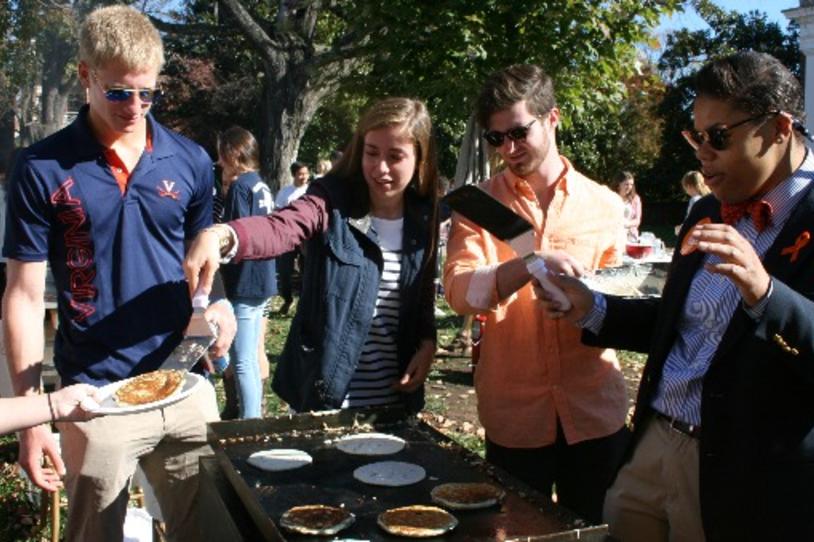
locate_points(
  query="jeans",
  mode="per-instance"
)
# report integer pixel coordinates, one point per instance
(243, 353)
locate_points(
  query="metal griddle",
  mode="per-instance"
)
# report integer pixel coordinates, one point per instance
(523, 515)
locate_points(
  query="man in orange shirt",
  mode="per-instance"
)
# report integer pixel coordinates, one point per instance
(553, 409)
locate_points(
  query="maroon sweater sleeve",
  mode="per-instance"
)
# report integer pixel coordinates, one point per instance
(282, 231)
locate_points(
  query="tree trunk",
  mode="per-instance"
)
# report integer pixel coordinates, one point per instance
(58, 81)
(6, 139)
(288, 105)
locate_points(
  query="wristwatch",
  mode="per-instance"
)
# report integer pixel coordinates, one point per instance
(227, 240)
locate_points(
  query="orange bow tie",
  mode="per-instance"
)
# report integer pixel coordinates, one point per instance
(759, 210)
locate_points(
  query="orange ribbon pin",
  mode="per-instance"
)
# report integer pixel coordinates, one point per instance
(794, 250)
(689, 245)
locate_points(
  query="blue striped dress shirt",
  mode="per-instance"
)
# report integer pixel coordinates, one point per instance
(711, 302)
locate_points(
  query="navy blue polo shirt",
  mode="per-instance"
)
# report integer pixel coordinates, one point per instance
(116, 257)
(249, 195)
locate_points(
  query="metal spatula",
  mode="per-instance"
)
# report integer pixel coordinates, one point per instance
(494, 217)
(199, 336)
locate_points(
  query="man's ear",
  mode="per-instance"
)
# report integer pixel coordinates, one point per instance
(783, 126)
(554, 117)
(84, 74)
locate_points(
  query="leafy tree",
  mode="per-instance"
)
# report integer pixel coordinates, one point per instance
(443, 51)
(684, 53)
(322, 52)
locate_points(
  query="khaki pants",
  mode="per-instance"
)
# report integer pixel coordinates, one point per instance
(101, 456)
(655, 497)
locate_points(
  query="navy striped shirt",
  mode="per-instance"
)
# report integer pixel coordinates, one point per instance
(710, 304)
(378, 367)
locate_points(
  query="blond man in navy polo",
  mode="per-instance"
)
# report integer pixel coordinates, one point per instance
(109, 202)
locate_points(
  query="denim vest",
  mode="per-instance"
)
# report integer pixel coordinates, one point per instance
(343, 266)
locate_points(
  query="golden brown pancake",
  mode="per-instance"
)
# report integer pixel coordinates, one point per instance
(466, 496)
(149, 387)
(417, 521)
(316, 519)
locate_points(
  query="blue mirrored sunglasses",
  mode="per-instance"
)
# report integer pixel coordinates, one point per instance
(122, 94)
(146, 95)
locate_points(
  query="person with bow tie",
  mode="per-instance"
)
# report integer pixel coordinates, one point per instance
(723, 445)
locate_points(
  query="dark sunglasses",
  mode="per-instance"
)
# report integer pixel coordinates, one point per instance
(120, 94)
(518, 133)
(718, 138)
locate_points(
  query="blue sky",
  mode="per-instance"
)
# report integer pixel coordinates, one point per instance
(773, 8)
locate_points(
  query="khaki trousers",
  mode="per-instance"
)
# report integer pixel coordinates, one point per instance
(655, 497)
(101, 456)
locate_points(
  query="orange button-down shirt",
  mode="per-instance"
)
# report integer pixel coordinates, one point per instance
(534, 370)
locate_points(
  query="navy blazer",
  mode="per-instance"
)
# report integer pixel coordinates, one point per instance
(340, 283)
(757, 409)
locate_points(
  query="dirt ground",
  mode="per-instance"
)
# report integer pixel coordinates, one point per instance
(451, 404)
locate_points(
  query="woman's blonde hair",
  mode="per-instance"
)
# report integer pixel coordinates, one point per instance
(238, 147)
(693, 179)
(122, 35)
(413, 117)
(323, 166)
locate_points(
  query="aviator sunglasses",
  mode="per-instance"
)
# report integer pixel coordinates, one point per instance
(517, 133)
(718, 138)
(121, 94)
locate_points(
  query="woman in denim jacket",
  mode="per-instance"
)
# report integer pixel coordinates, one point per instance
(364, 332)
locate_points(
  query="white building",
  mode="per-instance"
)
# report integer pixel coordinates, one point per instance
(804, 17)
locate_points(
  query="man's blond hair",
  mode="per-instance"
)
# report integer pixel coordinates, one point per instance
(121, 35)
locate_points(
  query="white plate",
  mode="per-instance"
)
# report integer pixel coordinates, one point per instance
(390, 473)
(109, 406)
(280, 459)
(370, 444)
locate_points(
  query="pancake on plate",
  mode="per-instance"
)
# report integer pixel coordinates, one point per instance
(149, 387)
(316, 519)
(417, 521)
(467, 496)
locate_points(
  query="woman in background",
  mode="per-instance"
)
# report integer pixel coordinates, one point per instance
(323, 167)
(248, 284)
(626, 188)
(364, 331)
(694, 186)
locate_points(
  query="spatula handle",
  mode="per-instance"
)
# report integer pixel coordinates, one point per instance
(200, 299)
(537, 267)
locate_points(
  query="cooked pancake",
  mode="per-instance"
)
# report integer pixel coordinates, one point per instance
(466, 496)
(149, 387)
(417, 521)
(316, 519)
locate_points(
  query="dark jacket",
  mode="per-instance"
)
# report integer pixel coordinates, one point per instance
(757, 409)
(249, 195)
(340, 284)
